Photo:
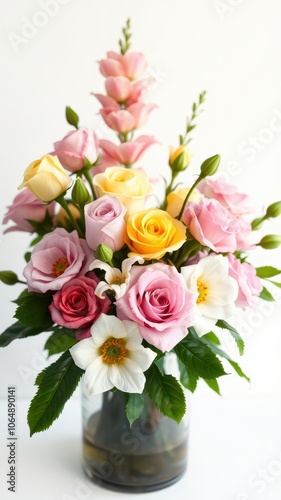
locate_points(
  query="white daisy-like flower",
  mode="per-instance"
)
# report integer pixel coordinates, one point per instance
(115, 280)
(216, 291)
(113, 356)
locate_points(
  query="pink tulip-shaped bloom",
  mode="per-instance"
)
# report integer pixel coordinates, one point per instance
(127, 152)
(75, 147)
(226, 194)
(118, 88)
(126, 120)
(249, 284)
(159, 301)
(131, 65)
(104, 220)
(57, 258)
(211, 224)
(76, 305)
(26, 206)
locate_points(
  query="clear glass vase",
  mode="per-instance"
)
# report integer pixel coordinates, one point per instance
(148, 456)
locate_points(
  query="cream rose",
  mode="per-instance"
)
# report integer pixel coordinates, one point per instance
(153, 232)
(46, 178)
(131, 187)
(176, 198)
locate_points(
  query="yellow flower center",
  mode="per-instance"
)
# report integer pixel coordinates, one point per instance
(113, 351)
(202, 292)
(59, 266)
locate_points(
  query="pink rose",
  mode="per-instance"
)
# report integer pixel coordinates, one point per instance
(226, 194)
(27, 206)
(57, 258)
(243, 233)
(211, 224)
(158, 300)
(75, 146)
(249, 284)
(104, 220)
(130, 65)
(76, 306)
(125, 153)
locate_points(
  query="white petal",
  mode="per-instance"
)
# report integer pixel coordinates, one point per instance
(99, 264)
(119, 290)
(101, 288)
(128, 263)
(107, 326)
(96, 377)
(127, 376)
(143, 357)
(83, 352)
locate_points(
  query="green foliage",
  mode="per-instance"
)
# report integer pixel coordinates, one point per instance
(60, 341)
(239, 341)
(33, 310)
(135, 406)
(18, 331)
(58, 383)
(266, 295)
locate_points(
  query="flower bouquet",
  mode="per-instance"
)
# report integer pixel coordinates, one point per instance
(121, 280)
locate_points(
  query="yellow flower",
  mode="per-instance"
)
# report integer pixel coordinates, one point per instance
(46, 178)
(61, 219)
(179, 159)
(131, 187)
(153, 232)
(176, 198)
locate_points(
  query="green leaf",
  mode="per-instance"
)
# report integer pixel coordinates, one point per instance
(198, 358)
(213, 384)
(18, 331)
(217, 350)
(239, 341)
(211, 336)
(56, 386)
(267, 271)
(275, 283)
(71, 117)
(187, 378)
(33, 310)
(166, 393)
(135, 406)
(266, 295)
(60, 341)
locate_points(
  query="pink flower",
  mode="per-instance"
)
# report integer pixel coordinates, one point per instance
(243, 233)
(118, 88)
(26, 206)
(75, 147)
(130, 65)
(57, 258)
(127, 152)
(76, 306)
(249, 284)
(126, 120)
(226, 194)
(104, 219)
(211, 224)
(158, 300)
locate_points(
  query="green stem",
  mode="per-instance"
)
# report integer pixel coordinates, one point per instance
(89, 178)
(64, 205)
(188, 195)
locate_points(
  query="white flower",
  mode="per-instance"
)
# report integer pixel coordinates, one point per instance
(113, 356)
(216, 291)
(115, 280)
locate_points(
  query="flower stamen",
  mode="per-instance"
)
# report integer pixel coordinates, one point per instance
(113, 351)
(202, 292)
(59, 266)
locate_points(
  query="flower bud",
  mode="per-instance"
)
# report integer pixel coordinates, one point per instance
(270, 241)
(210, 166)
(274, 210)
(62, 218)
(8, 277)
(80, 194)
(104, 253)
(179, 159)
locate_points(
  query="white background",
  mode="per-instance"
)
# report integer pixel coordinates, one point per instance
(231, 48)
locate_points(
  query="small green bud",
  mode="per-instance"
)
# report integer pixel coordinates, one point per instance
(179, 159)
(270, 241)
(80, 194)
(8, 277)
(104, 253)
(210, 166)
(274, 210)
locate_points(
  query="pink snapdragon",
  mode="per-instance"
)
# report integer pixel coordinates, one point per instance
(125, 153)
(126, 120)
(26, 206)
(131, 65)
(75, 147)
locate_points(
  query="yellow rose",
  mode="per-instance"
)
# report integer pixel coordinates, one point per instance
(153, 232)
(179, 159)
(61, 219)
(176, 198)
(130, 186)
(46, 178)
